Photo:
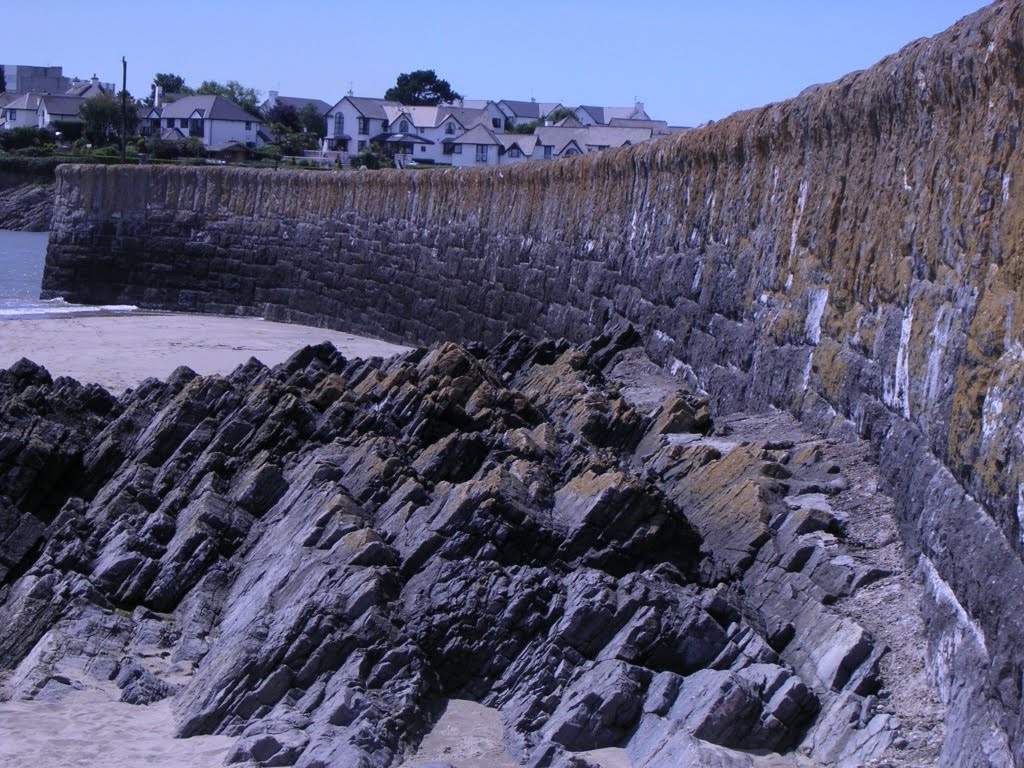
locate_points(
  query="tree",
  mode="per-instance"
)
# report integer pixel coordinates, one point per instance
(102, 118)
(421, 88)
(312, 121)
(169, 83)
(232, 90)
(283, 118)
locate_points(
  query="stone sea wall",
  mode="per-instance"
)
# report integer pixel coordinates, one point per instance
(855, 251)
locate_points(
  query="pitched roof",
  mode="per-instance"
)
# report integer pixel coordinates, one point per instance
(604, 115)
(26, 101)
(210, 107)
(87, 90)
(370, 107)
(467, 103)
(527, 142)
(62, 105)
(658, 126)
(298, 103)
(467, 117)
(421, 117)
(6, 98)
(481, 134)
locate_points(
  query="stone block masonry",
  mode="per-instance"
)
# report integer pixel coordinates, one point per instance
(856, 251)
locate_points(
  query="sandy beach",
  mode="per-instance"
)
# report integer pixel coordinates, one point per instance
(119, 351)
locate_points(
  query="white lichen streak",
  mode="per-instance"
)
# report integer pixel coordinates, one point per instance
(906, 182)
(697, 276)
(801, 201)
(1006, 188)
(1020, 511)
(990, 413)
(817, 298)
(897, 394)
(940, 340)
(806, 382)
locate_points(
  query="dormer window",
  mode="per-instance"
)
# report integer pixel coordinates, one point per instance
(450, 129)
(403, 127)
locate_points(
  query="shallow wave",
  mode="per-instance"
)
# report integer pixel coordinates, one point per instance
(37, 309)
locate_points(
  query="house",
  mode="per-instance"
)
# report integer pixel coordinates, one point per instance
(604, 115)
(519, 148)
(22, 112)
(428, 131)
(88, 89)
(354, 121)
(526, 112)
(57, 109)
(658, 127)
(477, 146)
(558, 142)
(214, 120)
(21, 78)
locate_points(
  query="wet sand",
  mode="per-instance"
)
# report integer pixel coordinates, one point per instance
(119, 351)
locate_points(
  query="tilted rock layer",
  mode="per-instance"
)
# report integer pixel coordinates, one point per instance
(314, 558)
(854, 250)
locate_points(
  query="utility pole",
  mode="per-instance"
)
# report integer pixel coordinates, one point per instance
(124, 106)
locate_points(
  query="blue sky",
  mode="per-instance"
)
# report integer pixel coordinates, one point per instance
(688, 61)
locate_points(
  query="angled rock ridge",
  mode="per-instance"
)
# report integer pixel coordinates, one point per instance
(855, 250)
(314, 558)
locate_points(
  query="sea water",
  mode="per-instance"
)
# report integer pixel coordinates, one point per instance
(21, 277)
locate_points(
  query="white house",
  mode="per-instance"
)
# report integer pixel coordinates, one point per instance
(604, 115)
(214, 120)
(22, 112)
(354, 121)
(477, 146)
(563, 141)
(426, 133)
(525, 112)
(54, 109)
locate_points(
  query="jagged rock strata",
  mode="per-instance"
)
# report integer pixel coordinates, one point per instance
(314, 558)
(26, 207)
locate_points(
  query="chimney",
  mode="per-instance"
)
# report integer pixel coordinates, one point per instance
(94, 79)
(272, 97)
(158, 94)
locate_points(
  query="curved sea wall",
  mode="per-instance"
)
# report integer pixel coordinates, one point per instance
(854, 251)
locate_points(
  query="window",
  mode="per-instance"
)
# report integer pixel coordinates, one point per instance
(450, 129)
(170, 122)
(12, 115)
(422, 148)
(154, 125)
(481, 153)
(248, 125)
(547, 153)
(384, 126)
(195, 127)
(495, 122)
(403, 127)
(183, 122)
(364, 126)
(362, 144)
(339, 124)
(421, 130)
(514, 152)
(458, 149)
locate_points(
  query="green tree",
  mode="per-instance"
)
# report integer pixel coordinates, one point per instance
(312, 121)
(169, 83)
(247, 98)
(283, 118)
(101, 117)
(421, 88)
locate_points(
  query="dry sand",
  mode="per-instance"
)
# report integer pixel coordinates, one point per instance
(86, 729)
(119, 351)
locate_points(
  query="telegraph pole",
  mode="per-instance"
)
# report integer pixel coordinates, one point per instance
(124, 106)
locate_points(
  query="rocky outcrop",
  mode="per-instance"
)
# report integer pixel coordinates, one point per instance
(314, 558)
(853, 251)
(26, 207)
